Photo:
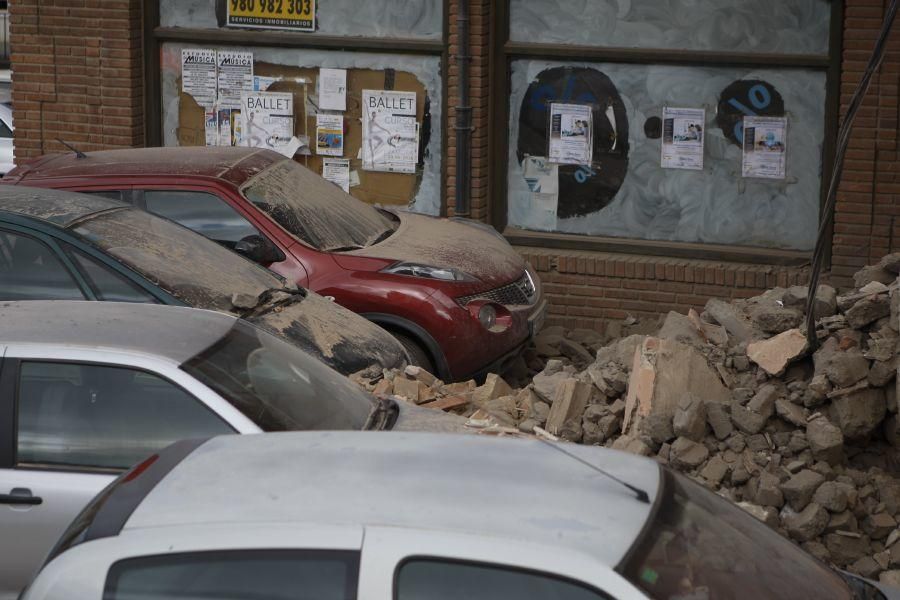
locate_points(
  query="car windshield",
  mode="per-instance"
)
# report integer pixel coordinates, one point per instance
(192, 268)
(314, 210)
(699, 546)
(276, 385)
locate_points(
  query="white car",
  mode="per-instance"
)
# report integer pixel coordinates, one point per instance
(416, 516)
(7, 159)
(88, 389)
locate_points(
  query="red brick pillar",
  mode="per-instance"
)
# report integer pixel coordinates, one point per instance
(479, 46)
(77, 74)
(867, 214)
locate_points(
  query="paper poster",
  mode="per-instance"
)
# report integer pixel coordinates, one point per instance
(268, 120)
(337, 171)
(212, 128)
(295, 15)
(682, 138)
(571, 134)
(390, 132)
(235, 76)
(542, 178)
(261, 84)
(198, 75)
(333, 89)
(329, 135)
(765, 147)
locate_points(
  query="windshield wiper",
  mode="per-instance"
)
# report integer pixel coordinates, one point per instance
(383, 415)
(344, 248)
(383, 236)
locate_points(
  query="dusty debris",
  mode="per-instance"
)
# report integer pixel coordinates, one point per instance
(732, 397)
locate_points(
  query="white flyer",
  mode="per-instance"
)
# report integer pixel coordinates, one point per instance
(212, 127)
(329, 135)
(235, 76)
(390, 140)
(333, 89)
(571, 134)
(765, 147)
(337, 171)
(268, 120)
(682, 138)
(198, 75)
(261, 83)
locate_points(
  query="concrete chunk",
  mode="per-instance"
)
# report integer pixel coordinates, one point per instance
(799, 489)
(860, 413)
(825, 440)
(775, 354)
(569, 403)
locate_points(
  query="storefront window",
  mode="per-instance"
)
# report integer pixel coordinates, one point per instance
(297, 71)
(413, 19)
(623, 191)
(765, 26)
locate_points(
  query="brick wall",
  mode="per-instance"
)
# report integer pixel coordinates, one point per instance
(77, 74)
(867, 216)
(479, 49)
(588, 289)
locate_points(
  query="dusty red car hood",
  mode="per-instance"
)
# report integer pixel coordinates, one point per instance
(446, 243)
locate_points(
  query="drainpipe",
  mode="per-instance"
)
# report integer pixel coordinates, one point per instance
(463, 113)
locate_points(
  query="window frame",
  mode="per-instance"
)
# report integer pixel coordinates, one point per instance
(155, 35)
(503, 51)
(56, 250)
(15, 378)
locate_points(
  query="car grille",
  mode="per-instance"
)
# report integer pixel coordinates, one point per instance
(521, 292)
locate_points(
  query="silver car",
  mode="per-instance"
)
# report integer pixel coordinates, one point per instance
(416, 516)
(88, 389)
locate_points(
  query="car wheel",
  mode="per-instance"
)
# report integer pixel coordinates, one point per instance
(417, 354)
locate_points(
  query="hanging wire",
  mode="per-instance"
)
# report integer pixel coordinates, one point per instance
(843, 141)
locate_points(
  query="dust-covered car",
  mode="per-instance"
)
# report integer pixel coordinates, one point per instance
(410, 516)
(64, 246)
(92, 388)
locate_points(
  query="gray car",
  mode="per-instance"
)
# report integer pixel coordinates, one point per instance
(414, 516)
(87, 389)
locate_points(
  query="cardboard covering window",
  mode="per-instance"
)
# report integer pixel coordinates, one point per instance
(374, 187)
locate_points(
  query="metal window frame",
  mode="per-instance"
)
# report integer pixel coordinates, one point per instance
(155, 35)
(504, 51)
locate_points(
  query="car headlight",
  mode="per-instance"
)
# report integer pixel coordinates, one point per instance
(487, 316)
(428, 272)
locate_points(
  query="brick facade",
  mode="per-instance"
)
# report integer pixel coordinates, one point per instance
(77, 74)
(867, 215)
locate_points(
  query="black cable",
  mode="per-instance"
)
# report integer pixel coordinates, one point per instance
(838, 168)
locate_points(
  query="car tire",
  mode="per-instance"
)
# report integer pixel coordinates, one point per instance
(417, 354)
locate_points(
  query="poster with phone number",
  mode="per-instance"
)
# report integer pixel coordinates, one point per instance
(294, 15)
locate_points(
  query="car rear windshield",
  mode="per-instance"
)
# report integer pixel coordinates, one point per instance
(700, 546)
(314, 210)
(278, 386)
(187, 265)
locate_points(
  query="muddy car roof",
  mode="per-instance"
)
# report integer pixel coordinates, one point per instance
(233, 164)
(411, 480)
(55, 206)
(173, 332)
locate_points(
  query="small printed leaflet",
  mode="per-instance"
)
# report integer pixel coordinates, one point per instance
(212, 127)
(261, 84)
(235, 76)
(329, 135)
(295, 15)
(337, 171)
(571, 134)
(268, 121)
(198, 75)
(542, 178)
(390, 131)
(333, 89)
(682, 138)
(765, 147)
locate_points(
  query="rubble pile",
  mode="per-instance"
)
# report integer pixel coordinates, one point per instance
(805, 440)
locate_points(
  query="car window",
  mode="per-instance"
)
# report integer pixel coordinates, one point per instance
(430, 579)
(103, 417)
(107, 284)
(207, 214)
(29, 270)
(236, 575)
(5, 131)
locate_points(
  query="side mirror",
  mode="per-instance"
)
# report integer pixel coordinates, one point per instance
(259, 249)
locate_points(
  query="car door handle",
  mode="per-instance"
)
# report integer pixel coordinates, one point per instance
(20, 496)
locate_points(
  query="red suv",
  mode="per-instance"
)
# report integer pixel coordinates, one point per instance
(453, 291)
